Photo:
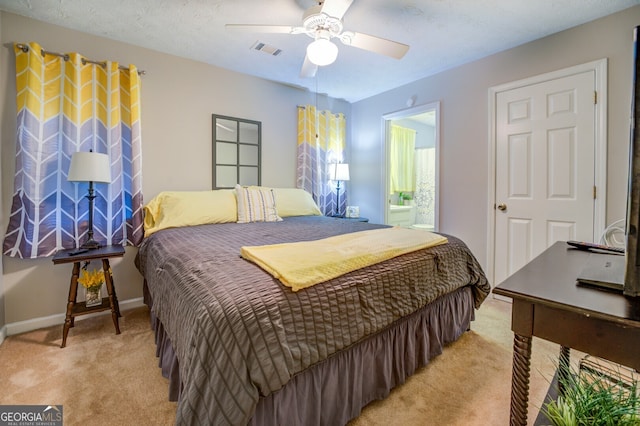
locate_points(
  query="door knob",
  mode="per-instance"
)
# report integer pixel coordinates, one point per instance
(502, 207)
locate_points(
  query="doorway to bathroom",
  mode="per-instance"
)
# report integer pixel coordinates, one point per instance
(411, 150)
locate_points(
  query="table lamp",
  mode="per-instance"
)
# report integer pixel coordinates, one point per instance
(90, 167)
(339, 172)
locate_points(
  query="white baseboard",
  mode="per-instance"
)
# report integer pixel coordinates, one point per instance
(58, 319)
(3, 333)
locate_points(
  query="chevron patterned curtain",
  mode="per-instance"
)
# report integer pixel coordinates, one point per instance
(321, 141)
(68, 104)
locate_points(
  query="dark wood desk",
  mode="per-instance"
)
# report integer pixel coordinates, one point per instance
(74, 308)
(548, 304)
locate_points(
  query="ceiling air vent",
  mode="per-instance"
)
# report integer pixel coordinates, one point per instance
(263, 47)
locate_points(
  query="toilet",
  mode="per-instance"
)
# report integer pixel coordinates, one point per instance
(423, 226)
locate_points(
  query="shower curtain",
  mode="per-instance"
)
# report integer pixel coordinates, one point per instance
(424, 195)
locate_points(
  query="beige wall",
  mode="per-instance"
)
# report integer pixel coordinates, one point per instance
(464, 141)
(178, 98)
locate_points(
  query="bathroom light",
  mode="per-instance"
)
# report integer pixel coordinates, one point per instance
(322, 51)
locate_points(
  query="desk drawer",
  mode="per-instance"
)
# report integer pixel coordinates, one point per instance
(610, 340)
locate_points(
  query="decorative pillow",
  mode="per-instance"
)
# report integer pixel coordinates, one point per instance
(295, 202)
(187, 208)
(256, 204)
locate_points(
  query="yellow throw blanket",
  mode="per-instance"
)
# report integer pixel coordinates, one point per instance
(303, 264)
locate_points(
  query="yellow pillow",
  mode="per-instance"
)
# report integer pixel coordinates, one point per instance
(256, 204)
(295, 202)
(187, 208)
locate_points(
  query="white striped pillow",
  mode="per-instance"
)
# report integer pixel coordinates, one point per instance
(256, 204)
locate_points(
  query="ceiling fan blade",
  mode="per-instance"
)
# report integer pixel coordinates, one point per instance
(335, 8)
(284, 29)
(375, 44)
(309, 69)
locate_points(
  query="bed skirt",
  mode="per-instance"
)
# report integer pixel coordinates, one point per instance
(334, 391)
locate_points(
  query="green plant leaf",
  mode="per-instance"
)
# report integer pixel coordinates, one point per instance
(592, 399)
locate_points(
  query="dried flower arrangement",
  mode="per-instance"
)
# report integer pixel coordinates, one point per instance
(91, 279)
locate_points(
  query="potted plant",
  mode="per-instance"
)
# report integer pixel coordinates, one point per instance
(92, 282)
(402, 197)
(592, 398)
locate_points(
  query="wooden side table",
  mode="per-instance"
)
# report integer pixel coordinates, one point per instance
(549, 305)
(357, 219)
(74, 308)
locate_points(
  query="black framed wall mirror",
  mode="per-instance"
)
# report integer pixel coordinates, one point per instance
(237, 152)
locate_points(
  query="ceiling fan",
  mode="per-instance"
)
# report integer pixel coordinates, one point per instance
(323, 22)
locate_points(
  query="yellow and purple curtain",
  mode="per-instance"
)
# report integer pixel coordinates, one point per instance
(65, 104)
(321, 141)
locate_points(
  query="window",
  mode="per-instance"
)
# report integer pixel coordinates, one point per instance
(236, 152)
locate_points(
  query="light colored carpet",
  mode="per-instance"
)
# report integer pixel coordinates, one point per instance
(470, 382)
(105, 379)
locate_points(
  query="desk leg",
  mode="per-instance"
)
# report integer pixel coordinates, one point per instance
(113, 300)
(71, 301)
(520, 379)
(563, 369)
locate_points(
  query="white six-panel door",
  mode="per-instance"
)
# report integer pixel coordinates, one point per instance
(544, 184)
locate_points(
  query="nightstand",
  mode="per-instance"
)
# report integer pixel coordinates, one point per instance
(357, 219)
(74, 308)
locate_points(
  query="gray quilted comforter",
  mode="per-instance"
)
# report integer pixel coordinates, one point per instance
(238, 333)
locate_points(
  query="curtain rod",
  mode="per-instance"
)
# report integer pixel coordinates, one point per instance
(322, 111)
(25, 49)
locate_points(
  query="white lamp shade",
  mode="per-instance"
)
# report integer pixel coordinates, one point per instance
(89, 167)
(322, 52)
(339, 171)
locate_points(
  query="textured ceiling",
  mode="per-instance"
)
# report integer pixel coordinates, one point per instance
(442, 33)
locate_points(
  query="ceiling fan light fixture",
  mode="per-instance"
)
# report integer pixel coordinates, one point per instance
(322, 52)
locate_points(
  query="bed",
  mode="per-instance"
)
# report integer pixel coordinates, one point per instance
(239, 347)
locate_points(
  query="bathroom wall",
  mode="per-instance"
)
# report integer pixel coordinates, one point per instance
(422, 204)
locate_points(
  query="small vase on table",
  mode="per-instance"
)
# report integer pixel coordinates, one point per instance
(92, 282)
(93, 296)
